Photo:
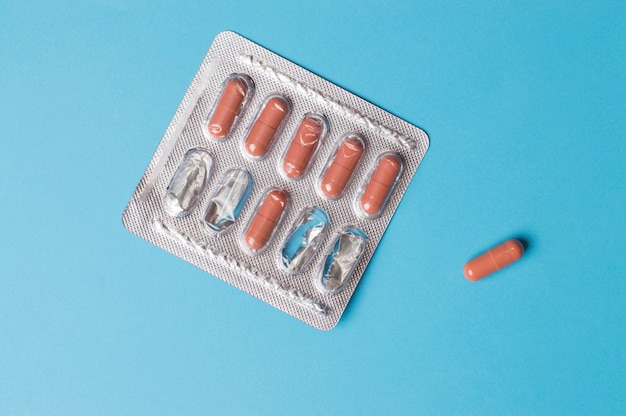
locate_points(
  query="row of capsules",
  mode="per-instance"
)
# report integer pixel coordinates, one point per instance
(235, 186)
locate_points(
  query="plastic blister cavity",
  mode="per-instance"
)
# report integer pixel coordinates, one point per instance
(188, 182)
(341, 165)
(342, 257)
(267, 125)
(226, 202)
(304, 145)
(276, 181)
(223, 117)
(265, 220)
(301, 243)
(379, 185)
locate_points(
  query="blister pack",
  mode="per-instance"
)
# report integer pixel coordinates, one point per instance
(275, 180)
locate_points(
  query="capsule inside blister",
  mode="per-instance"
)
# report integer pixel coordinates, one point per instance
(304, 144)
(344, 254)
(267, 126)
(226, 203)
(380, 184)
(304, 238)
(265, 220)
(341, 165)
(188, 183)
(235, 94)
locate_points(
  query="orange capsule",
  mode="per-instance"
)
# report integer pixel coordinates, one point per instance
(266, 126)
(342, 166)
(493, 260)
(303, 146)
(228, 106)
(380, 185)
(265, 220)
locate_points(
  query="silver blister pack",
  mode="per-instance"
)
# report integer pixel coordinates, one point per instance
(275, 180)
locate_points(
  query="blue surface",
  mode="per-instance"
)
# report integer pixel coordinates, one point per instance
(525, 107)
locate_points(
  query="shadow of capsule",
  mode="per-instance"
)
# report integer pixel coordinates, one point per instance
(526, 243)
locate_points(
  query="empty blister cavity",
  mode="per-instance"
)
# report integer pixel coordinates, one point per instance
(230, 196)
(267, 125)
(304, 145)
(341, 165)
(188, 182)
(236, 92)
(344, 254)
(379, 185)
(265, 220)
(302, 241)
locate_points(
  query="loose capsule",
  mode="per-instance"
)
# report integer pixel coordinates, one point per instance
(229, 105)
(380, 185)
(266, 126)
(265, 220)
(343, 164)
(303, 145)
(493, 260)
(188, 182)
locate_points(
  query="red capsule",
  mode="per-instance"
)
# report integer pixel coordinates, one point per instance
(228, 106)
(303, 146)
(380, 185)
(493, 260)
(341, 168)
(265, 220)
(266, 126)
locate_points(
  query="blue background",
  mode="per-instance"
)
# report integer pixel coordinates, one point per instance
(524, 104)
